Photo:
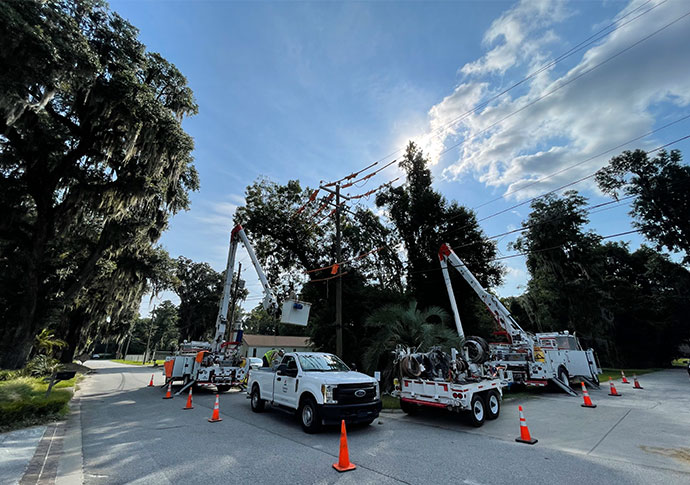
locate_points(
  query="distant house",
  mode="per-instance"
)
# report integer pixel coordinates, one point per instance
(258, 345)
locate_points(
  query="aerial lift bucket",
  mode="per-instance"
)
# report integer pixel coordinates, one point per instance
(295, 312)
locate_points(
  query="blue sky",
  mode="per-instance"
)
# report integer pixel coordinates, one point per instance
(316, 90)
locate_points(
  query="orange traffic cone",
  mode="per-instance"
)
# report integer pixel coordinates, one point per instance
(524, 430)
(623, 379)
(189, 400)
(585, 396)
(168, 395)
(343, 464)
(637, 384)
(613, 389)
(151, 382)
(215, 417)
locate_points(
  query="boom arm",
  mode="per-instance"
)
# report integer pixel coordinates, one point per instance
(270, 303)
(497, 309)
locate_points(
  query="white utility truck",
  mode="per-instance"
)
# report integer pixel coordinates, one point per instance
(317, 386)
(219, 362)
(530, 359)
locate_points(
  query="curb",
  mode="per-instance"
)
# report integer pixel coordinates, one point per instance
(70, 469)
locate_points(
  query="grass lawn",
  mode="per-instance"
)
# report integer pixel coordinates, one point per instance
(390, 402)
(682, 362)
(136, 362)
(23, 402)
(616, 373)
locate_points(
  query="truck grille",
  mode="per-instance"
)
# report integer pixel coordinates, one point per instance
(348, 393)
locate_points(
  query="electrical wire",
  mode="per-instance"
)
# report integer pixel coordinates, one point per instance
(583, 44)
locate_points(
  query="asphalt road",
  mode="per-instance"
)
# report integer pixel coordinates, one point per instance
(131, 435)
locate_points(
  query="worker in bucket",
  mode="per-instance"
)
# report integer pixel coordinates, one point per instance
(273, 356)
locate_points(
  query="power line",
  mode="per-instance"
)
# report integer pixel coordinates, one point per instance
(585, 43)
(583, 73)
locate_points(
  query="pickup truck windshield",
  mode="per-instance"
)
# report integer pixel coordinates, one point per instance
(322, 363)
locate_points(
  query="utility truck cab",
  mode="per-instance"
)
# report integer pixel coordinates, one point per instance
(319, 387)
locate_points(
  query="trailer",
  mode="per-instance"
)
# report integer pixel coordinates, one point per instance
(438, 380)
(219, 362)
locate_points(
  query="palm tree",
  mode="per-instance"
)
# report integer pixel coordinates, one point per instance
(406, 325)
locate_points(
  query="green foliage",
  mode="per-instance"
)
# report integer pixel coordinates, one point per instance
(23, 402)
(199, 288)
(631, 307)
(8, 375)
(406, 325)
(47, 342)
(93, 160)
(661, 191)
(42, 365)
(423, 220)
(259, 322)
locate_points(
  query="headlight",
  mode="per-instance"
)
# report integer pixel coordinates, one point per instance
(327, 391)
(378, 391)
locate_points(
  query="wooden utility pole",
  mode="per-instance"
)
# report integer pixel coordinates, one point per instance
(339, 281)
(338, 257)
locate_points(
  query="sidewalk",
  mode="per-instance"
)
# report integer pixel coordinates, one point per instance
(49, 454)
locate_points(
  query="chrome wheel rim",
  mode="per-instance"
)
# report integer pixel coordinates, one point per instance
(307, 415)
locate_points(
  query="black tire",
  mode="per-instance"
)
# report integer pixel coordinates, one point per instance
(477, 349)
(222, 388)
(366, 423)
(258, 404)
(493, 404)
(308, 414)
(477, 411)
(409, 408)
(563, 376)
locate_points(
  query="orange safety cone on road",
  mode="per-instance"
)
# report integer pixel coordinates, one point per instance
(189, 400)
(151, 381)
(524, 430)
(613, 392)
(637, 384)
(585, 396)
(623, 378)
(168, 395)
(343, 464)
(215, 417)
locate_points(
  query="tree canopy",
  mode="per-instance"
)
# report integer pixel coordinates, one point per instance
(93, 158)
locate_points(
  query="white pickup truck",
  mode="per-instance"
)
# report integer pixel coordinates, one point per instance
(319, 387)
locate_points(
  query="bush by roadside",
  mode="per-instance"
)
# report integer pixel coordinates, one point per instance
(23, 402)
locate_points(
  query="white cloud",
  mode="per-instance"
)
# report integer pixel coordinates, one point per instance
(605, 107)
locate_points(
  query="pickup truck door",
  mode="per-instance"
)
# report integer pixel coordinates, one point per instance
(285, 388)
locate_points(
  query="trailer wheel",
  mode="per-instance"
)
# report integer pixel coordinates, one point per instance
(477, 411)
(258, 404)
(409, 408)
(493, 405)
(309, 416)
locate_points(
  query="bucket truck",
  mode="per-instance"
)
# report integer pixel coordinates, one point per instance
(219, 362)
(531, 359)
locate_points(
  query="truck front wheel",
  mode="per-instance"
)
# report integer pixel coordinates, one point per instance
(257, 403)
(477, 411)
(309, 416)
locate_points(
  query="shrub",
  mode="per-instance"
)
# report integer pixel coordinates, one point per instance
(42, 365)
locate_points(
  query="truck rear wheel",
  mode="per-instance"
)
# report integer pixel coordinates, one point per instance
(258, 404)
(563, 376)
(309, 416)
(493, 405)
(477, 411)
(222, 388)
